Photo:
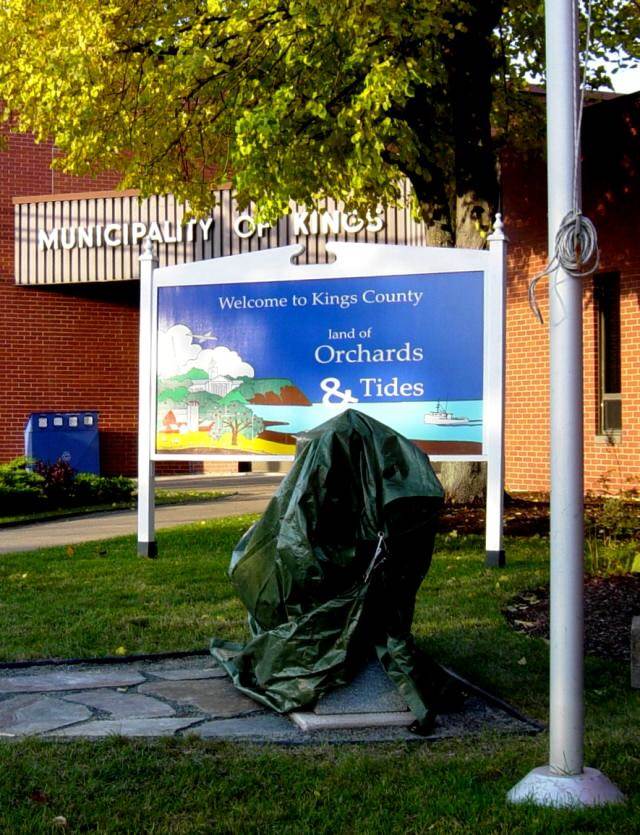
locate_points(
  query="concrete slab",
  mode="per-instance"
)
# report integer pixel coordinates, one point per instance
(33, 714)
(48, 682)
(122, 705)
(265, 727)
(188, 674)
(477, 716)
(209, 707)
(371, 691)
(127, 727)
(308, 721)
(272, 729)
(216, 697)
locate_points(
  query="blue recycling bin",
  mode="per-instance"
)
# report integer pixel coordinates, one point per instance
(71, 436)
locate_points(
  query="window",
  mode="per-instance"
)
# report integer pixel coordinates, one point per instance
(607, 296)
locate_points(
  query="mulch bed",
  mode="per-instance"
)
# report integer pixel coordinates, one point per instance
(522, 517)
(610, 602)
(609, 605)
(527, 514)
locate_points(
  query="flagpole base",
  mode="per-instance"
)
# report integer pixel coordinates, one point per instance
(543, 787)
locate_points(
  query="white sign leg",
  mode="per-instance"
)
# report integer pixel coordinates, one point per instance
(147, 546)
(493, 417)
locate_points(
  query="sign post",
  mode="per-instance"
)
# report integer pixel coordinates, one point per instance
(146, 423)
(495, 349)
(565, 781)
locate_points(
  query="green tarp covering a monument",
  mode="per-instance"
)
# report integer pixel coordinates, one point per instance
(330, 572)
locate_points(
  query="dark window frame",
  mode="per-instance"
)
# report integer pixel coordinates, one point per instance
(608, 347)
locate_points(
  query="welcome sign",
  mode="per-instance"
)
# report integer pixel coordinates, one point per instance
(240, 355)
(245, 363)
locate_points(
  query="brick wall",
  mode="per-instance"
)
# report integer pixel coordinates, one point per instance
(612, 200)
(67, 348)
(63, 349)
(611, 175)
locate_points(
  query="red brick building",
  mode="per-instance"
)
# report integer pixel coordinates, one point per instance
(49, 334)
(611, 333)
(73, 345)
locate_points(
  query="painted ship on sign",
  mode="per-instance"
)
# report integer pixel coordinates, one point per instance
(441, 417)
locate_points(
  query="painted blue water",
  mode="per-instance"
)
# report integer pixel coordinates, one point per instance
(406, 418)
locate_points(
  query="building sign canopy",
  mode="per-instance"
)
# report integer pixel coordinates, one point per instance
(66, 239)
(168, 232)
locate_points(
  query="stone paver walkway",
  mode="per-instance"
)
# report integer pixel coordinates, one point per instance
(182, 696)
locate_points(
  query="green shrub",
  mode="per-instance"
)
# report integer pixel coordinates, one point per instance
(96, 489)
(58, 481)
(619, 518)
(64, 487)
(21, 489)
(29, 486)
(15, 501)
(604, 559)
(612, 545)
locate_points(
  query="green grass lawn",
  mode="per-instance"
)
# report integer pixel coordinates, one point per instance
(100, 598)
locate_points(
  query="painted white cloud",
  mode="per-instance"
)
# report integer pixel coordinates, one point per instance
(221, 361)
(178, 354)
(176, 351)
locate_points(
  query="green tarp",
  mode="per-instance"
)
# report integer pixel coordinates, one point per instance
(330, 572)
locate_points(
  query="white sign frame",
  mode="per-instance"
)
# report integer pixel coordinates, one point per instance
(351, 259)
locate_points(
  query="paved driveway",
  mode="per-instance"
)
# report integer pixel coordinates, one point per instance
(252, 492)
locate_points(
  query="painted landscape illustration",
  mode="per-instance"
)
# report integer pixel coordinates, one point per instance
(214, 406)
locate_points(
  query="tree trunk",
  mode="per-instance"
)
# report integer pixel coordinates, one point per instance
(451, 162)
(455, 183)
(464, 482)
(469, 70)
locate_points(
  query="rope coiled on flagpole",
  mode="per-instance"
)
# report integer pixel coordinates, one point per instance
(576, 243)
(575, 252)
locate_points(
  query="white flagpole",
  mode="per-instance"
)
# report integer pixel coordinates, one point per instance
(565, 781)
